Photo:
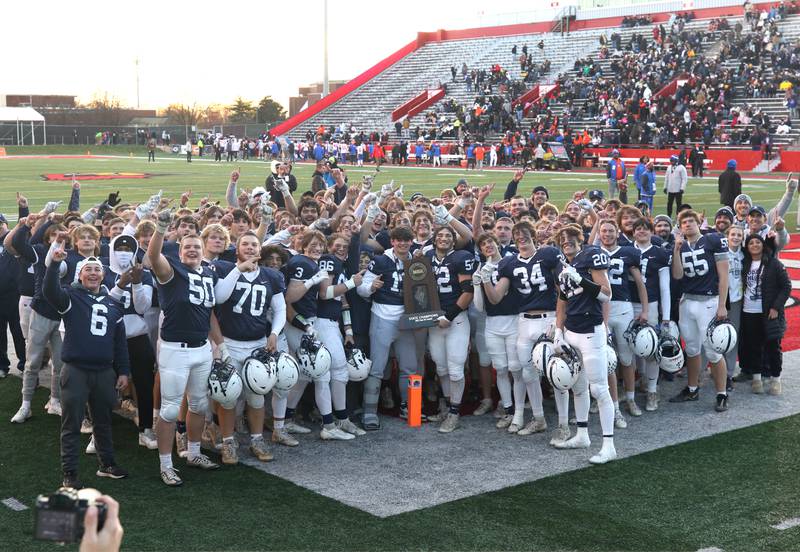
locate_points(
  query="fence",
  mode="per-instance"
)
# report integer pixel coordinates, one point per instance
(13, 135)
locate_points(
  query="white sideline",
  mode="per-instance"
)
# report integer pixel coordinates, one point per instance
(787, 524)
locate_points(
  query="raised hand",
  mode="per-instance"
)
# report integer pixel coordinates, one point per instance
(164, 220)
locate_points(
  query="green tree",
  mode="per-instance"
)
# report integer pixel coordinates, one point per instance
(270, 111)
(183, 114)
(242, 111)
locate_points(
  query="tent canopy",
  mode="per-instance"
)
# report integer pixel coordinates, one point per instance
(13, 114)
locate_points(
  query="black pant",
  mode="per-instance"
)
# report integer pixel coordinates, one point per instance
(623, 196)
(140, 354)
(756, 355)
(188, 156)
(676, 197)
(77, 387)
(9, 317)
(217, 155)
(151, 156)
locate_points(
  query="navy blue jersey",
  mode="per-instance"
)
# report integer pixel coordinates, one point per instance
(187, 300)
(533, 280)
(508, 250)
(9, 268)
(25, 277)
(426, 246)
(624, 240)
(700, 264)
(620, 261)
(302, 268)
(382, 238)
(39, 303)
(331, 308)
(390, 270)
(447, 271)
(243, 316)
(583, 312)
(654, 258)
(508, 305)
(110, 279)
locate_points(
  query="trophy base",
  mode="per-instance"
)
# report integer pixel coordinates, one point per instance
(419, 320)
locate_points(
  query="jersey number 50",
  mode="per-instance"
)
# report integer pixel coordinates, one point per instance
(201, 290)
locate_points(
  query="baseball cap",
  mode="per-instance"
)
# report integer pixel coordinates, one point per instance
(124, 240)
(758, 209)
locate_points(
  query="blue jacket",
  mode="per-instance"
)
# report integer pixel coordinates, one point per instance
(637, 175)
(647, 182)
(611, 171)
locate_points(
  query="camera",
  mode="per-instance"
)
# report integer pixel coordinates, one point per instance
(59, 516)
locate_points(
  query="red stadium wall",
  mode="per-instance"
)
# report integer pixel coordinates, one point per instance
(746, 160)
(790, 162)
(482, 32)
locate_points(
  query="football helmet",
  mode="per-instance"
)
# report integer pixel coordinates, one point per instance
(669, 354)
(224, 384)
(313, 358)
(611, 357)
(721, 336)
(542, 351)
(287, 371)
(358, 365)
(563, 369)
(642, 338)
(260, 372)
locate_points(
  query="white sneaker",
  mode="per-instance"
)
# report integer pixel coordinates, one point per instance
(504, 422)
(515, 425)
(294, 427)
(560, 435)
(53, 407)
(652, 402)
(499, 412)
(349, 427)
(170, 478)
(148, 439)
(282, 438)
(449, 424)
(606, 454)
(22, 414)
(86, 426)
(203, 462)
(180, 444)
(537, 425)
(619, 420)
(230, 455)
(578, 442)
(90, 448)
(484, 408)
(633, 408)
(335, 434)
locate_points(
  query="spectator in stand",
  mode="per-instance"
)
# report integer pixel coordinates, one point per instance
(729, 184)
(674, 183)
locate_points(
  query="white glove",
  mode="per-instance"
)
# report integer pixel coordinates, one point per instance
(370, 198)
(282, 186)
(373, 212)
(367, 183)
(164, 220)
(154, 200)
(321, 224)
(315, 279)
(51, 206)
(463, 202)
(441, 215)
(486, 271)
(143, 210)
(559, 342)
(386, 190)
(585, 204)
(477, 279)
(224, 355)
(266, 208)
(569, 272)
(399, 192)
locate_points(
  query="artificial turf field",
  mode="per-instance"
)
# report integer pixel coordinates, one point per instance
(724, 491)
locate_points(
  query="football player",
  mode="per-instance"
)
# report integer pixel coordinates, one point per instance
(187, 295)
(655, 270)
(383, 282)
(448, 341)
(244, 326)
(624, 264)
(700, 262)
(302, 296)
(531, 275)
(584, 290)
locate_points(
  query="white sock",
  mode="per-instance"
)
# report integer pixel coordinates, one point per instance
(256, 437)
(562, 406)
(582, 432)
(776, 378)
(608, 442)
(193, 448)
(26, 405)
(756, 377)
(534, 389)
(457, 390)
(227, 439)
(339, 394)
(630, 395)
(519, 398)
(166, 461)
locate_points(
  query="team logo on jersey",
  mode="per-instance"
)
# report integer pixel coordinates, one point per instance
(95, 176)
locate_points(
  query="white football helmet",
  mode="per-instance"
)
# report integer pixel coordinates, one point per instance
(642, 338)
(563, 369)
(358, 365)
(542, 351)
(224, 384)
(611, 357)
(287, 371)
(669, 354)
(721, 336)
(313, 358)
(260, 372)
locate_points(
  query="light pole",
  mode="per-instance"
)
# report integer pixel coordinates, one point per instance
(325, 85)
(137, 82)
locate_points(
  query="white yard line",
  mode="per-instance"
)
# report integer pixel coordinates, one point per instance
(787, 524)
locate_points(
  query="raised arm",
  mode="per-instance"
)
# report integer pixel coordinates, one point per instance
(230, 192)
(158, 262)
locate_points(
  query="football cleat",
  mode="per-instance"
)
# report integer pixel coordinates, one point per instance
(722, 403)
(258, 449)
(53, 407)
(537, 425)
(170, 478)
(230, 455)
(202, 462)
(619, 420)
(776, 387)
(579, 441)
(293, 427)
(483, 408)
(607, 454)
(147, 439)
(335, 434)
(757, 386)
(22, 414)
(633, 408)
(449, 424)
(560, 435)
(652, 402)
(504, 422)
(282, 437)
(224, 384)
(349, 427)
(180, 444)
(86, 426)
(686, 396)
